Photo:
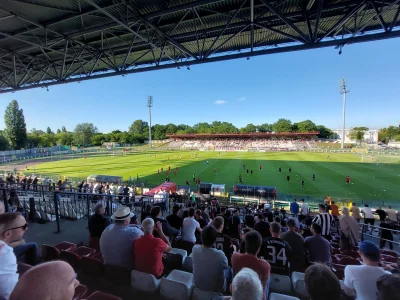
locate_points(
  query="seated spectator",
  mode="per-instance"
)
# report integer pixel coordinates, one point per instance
(116, 241)
(167, 229)
(54, 280)
(263, 228)
(12, 229)
(243, 243)
(246, 286)
(174, 220)
(360, 281)
(210, 266)
(321, 283)
(234, 223)
(276, 251)
(200, 219)
(146, 212)
(388, 287)
(296, 243)
(149, 250)
(349, 230)
(222, 241)
(189, 227)
(98, 222)
(250, 260)
(318, 248)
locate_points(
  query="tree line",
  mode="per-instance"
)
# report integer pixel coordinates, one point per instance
(15, 135)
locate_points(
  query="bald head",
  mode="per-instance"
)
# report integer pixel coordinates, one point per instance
(54, 280)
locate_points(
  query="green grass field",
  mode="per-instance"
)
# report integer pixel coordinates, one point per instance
(369, 181)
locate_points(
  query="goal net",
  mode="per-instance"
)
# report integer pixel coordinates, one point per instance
(380, 159)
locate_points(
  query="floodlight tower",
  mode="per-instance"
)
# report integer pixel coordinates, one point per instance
(343, 91)
(149, 105)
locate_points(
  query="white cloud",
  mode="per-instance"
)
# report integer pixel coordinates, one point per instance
(242, 99)
(219, 102)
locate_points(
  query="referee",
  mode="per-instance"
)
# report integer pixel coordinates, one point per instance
(325, 220)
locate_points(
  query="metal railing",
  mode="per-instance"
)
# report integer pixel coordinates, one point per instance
(382, 235)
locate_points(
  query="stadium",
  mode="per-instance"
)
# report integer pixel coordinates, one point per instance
(187, 201)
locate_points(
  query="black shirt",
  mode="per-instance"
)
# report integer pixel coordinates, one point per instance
(97, 223)
(175, 221)
(278, 253)
(233, 225)
(223, 243)
(249, 221)
(381, 213)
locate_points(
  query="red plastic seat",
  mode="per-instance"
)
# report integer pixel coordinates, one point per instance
(94, 243)
(352, 254)
(65, 246)
(340, 256)
(389, 252)
(339, 272)
(117, 275)
(80, 292)
(84, 251)
(335, 245)
(92, 266)
(22, 268)
(99, 256)
(389, 258)
(50, 253)
(349, 261)
(72, 258)
(335, 251)
(102, 296)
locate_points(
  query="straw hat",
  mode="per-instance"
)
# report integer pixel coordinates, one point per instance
(122, 213)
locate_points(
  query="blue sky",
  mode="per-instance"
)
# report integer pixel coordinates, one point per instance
(297, 85)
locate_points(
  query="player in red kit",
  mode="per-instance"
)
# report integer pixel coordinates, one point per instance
(348, 180)
(260, 167)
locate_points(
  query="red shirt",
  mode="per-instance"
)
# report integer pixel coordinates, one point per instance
(148, 255)
(258, 265)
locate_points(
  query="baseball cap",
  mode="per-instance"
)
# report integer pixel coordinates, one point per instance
(370, 250)
(291, 222)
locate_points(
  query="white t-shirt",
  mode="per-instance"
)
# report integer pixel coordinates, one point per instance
(8, 271)
(391, 214)
(304, 209)
(188, 229)
(368, 213)
(363, 280)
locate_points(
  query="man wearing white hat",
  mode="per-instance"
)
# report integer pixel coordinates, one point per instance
(116, 241)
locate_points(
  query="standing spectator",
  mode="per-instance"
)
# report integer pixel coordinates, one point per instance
(303, 210)
(204, 214)
(368, 215)
(200, 219)
(12, 229)
(54, 280)
(116, 241)
(381, 213)
(249, 259)
(234, 225)
(222, 241)
(321, 283)
(146, 212)
(249, 221)
(355, 211)
(349, 230)
(97, 223)
(189, 227)
(296, 243)
(391, 213)
(276, 251)
(334, 209)
(388, 287)
(174, 220)
(258, 218)
(148, 250)
(317, 247)
(325, 220)
(360, 281)
(386, 234)
(167, 229)
(210, 266)
(294, 208)
(263, 228)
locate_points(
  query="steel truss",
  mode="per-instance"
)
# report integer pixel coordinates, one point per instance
(102, 38)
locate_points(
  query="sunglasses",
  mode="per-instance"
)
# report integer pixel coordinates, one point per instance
(24, 227)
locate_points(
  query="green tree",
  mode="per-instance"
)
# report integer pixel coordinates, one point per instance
(64, 138)
(138, 127)
(248, 128)
(282, 125)
(324, 133)
(265, 127)
(58, 131)
(3, 142)
(63, 129)
(48, 131)
(158, 132)
(385, 135)
(98, 139)
(15, 130)
(306, 126)
(83, 133)
(357, 134)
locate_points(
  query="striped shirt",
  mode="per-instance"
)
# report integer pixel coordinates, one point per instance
(325, 220)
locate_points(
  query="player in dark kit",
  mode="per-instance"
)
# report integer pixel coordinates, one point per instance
(244, 167)
(247, 171)
(260, 167)
(251, 172)
(288, 178)
(240, 179)
(313, 177)
(302, 183)
(290, 170)
(280, 170)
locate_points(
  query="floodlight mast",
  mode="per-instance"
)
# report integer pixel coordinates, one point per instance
(150, 104)
(343, 91)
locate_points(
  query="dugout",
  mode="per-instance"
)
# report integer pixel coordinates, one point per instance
(104, 178)
(254, 191)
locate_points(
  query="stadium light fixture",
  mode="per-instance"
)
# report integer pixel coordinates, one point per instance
(343, 91)
(150, 105)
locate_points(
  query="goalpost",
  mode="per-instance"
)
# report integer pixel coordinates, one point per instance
(380, 159)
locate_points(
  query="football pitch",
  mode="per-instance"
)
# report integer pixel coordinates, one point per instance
(370, 182)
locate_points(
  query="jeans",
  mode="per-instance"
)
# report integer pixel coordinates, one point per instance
(267, 286)
(30, 252)
(228, 278)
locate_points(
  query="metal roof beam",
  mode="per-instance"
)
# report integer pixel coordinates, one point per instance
(394, 19)
(317, 18)
(378, 15)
